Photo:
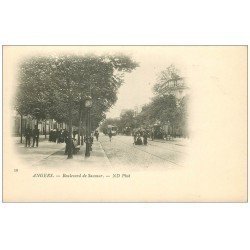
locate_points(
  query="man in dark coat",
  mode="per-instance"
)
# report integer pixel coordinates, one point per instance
(28, 134)
(57, 135)
(138, 139)
(66, 140)
(51, 135)
(145, 138)
(134, 135)
(152, 134)
(35, 135)
(110, 135)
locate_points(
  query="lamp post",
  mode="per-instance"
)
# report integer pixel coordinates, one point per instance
(168, 127)
(80, 120)
(36, 113)
(88, 105)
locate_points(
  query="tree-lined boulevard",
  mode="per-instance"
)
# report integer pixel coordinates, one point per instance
(118, 153)
(60, 88)
(78, 91)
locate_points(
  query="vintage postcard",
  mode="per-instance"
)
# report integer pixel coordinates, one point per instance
(125, 123)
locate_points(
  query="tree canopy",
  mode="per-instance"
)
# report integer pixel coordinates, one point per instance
(164, 109)
(56, 85)
(171, 73)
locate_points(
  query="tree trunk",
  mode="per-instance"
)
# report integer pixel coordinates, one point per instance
(79, 125)
(21, 131)
(70, 153)
(87, 152)
(45, 129)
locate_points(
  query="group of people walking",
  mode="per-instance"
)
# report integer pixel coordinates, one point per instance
(62, 136)
(58, 136)
(31, 134)
(74, 144)
(140, 137)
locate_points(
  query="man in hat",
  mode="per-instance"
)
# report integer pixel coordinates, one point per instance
(28, 134)
(35, 134)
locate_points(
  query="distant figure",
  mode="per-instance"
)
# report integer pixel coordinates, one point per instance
(35, 134)
(145, 138)
(134, 135)
(74, 133)
(57, 135)
(138, 140)
(61, 137)
(152, 135)
(96, 134)
(110, 136)
(54, 135)
(67, 142)
(28, 134)
(65, 134)
(51, 135)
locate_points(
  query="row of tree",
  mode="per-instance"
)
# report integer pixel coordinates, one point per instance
(164, 108)
(55, 87)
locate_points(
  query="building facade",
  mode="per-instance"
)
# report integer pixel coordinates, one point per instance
(20, 123)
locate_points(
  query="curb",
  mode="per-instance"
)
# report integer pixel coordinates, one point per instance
(105, 156)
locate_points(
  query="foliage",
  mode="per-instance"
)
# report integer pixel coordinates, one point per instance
(110, 121)
(127, 119)
(181, 120)
(56, 85)
(170, 73)
(164, 109)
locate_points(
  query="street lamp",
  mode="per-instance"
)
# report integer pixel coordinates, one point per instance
(81, 107)
(36, 113)
(88, 105)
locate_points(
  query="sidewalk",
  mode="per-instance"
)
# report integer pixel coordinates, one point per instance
(30, 155)
(50, 154)
(17, 139)
(57, 159)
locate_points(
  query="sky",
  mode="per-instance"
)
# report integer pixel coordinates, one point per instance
(137, 88)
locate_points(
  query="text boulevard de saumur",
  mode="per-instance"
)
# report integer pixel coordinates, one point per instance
(50, 175)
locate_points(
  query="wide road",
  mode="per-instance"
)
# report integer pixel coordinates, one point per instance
(121, 151)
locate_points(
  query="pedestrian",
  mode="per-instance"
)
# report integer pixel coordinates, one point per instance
(138, 140)
(50, 135)
(60, 139)
(96, 134)
(57, 136)
(134, 135)
(35, 134)
(110, 136)
(67, 141)
(152, 135)
(54, 135)
(65, 134)
(28, 134)
(145, 138)
(70, 145)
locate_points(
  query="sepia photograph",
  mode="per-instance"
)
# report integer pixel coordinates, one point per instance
(125, 123)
